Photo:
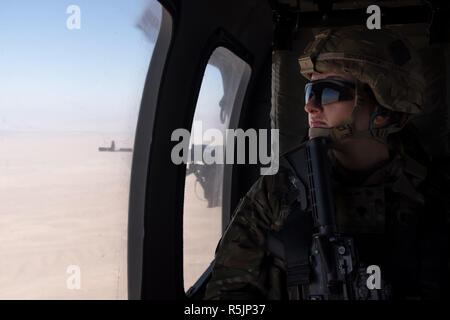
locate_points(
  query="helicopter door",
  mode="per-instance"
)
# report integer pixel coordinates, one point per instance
(217, 52)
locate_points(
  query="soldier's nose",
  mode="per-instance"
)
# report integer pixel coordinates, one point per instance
(312, 107)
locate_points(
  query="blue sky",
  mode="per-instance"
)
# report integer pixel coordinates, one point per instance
(54, 78)
(91, 79)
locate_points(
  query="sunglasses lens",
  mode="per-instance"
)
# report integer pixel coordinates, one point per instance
(328, 91)
(330, 95)
(308, 92)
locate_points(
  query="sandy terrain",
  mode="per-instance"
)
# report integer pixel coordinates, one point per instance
(202, 230)
(64, 203)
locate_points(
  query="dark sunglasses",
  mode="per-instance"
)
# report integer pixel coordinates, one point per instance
(328, 91)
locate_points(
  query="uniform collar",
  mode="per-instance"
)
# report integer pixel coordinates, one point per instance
(394, 173)
(384, 172)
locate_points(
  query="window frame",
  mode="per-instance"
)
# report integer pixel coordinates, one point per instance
(142, 146)
(226, 42)
(193, 42)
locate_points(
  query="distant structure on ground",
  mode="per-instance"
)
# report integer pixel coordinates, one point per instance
(112, 148)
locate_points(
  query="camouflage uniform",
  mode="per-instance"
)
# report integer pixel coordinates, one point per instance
(395, 212)
(382, 209)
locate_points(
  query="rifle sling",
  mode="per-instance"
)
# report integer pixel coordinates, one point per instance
(297, 238)
(292, 244)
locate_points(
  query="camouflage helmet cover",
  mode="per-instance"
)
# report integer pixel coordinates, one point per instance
(380, 58)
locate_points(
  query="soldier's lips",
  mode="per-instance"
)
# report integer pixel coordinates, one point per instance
(318, 124)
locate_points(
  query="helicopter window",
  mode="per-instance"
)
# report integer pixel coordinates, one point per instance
(218, 107)
(70, 100)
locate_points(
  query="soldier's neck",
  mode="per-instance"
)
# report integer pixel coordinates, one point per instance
(360, 154)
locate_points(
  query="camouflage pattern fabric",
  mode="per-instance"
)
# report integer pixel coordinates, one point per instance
(383, 209)
(243, 268)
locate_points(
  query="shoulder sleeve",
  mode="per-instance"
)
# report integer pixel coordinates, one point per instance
(239, 271)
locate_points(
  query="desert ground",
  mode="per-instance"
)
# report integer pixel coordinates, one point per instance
(63, 203)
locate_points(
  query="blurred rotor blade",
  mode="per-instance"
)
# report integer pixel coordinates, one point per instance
(150, 21)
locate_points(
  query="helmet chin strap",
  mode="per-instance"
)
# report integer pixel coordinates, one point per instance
(374, 135)
(347, 127)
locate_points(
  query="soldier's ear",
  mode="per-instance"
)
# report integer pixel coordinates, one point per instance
(382, 119)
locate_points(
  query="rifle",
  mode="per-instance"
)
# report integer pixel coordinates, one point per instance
(324, 262)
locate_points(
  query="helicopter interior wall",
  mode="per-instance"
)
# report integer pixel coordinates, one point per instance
(287, 110)
(199, 27)
(433, 125)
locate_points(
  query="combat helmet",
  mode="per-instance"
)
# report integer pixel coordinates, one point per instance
(379, 59)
